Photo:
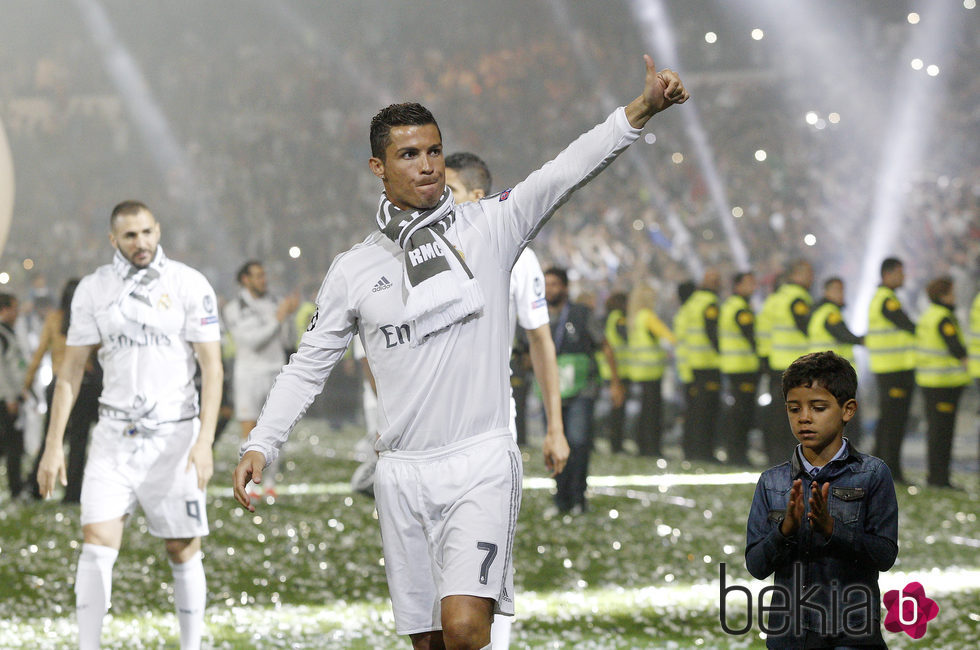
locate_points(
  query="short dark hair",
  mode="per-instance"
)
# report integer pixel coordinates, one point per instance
(558, 272)
(738, 277)
(939, 287)
(685, 289)
(7, 299)
(828, 370)
(407, 114)
(831, 280)
(471, 169)
(889, 264)
(246, 269)
(616, 300)
(67, 294)
(127, 208)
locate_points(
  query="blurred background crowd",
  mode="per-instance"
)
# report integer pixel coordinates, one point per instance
(839, 132)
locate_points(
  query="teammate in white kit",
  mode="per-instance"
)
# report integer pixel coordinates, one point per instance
(261, 329)
(448, 483)
(150, 316)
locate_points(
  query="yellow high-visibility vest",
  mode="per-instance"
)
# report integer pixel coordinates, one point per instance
(973, 341)
(737, 355)
(701, 355)
(820, 339)
(890, 349)
(788, 342)
(763, 327)
(646, 356)
(935, 367)
(684, 372)
(619, 346)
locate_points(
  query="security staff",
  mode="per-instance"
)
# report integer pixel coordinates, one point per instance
(704, 403)
(739, 364)
(828, 331)
(940, 372)
(615, 332)
(647, 361)
(973, 341)
(891, 347)
(685, 376)
(790, 322)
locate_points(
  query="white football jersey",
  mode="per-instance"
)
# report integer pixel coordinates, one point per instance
(456, 384)
(145, 330)
(527, 304)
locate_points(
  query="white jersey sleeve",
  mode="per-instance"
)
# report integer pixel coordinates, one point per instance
(516, 215)
(201, 323)
(301, 380)
(527, 301)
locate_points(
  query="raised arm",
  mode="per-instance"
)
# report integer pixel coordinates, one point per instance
(661, 90)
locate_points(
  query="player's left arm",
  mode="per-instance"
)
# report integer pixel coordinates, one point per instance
(212, 374)
(545, 365)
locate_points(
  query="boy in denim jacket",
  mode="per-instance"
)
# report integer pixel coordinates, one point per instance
(825, 549)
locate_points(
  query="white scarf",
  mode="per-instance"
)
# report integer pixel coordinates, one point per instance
(441, 288)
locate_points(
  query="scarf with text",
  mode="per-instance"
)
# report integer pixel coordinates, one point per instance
(441, 288)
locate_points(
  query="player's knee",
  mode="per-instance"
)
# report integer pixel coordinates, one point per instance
(182, 550)
(469, 630)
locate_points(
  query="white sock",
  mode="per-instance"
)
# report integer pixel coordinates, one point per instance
(93, 587)
(190, 594)
(500, 632)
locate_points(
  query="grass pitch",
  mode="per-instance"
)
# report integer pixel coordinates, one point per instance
(640, 569)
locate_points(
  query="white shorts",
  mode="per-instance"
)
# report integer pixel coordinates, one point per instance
(251, 388)
(456, 507)
(149, 470)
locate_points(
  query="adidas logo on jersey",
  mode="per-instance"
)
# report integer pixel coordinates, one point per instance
(381, 285)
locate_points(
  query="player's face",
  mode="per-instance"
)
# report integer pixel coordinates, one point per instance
(460, 193)
(136, 236)
(413, 170)
(815, 417)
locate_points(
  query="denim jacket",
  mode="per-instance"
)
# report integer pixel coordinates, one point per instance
(826, 577)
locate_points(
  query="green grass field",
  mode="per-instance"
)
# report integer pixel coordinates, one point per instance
(639, 570)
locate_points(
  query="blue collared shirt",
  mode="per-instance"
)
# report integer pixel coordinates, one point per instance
(813, 469)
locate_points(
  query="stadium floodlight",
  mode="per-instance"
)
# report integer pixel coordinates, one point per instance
(916, 106)
(680, 246)
(657, 31)
(145, 112)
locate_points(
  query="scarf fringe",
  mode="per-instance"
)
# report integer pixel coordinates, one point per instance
(439, 302)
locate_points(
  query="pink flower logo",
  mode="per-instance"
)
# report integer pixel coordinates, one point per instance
(909, 610)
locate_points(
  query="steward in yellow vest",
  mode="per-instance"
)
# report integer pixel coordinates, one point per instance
(940, 372)
(973, 339)
(647, 362)
(790, 320)
(701, 353)
(891, 347)
(739, 365)
(615, 335)
(828, 331)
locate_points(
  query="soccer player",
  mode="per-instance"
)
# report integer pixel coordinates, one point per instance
(151, 317)
(448, 481)
(468, 176)
(261, 329)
